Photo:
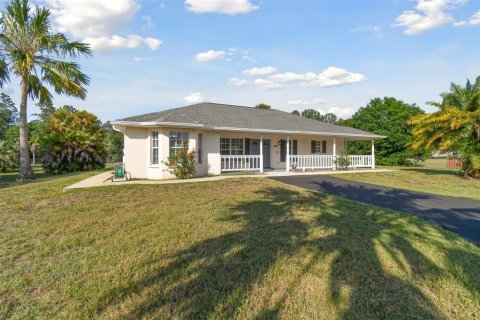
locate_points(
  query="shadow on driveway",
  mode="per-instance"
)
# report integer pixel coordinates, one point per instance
(458, 215)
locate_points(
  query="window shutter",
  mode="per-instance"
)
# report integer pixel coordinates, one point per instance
(294, 147)
(247, 146)
(312, 147)
(324, 146)
(283, 151)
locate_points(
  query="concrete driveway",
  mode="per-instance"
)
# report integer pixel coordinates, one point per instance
(454, 214)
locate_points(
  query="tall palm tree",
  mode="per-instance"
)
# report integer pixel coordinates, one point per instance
(30, 50)
(455, 127)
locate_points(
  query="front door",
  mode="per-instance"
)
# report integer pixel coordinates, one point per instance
(255, 150)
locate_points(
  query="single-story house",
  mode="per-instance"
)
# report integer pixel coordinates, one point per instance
(230, 138)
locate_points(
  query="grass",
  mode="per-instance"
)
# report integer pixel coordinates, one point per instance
(430, 177)
(233, 249)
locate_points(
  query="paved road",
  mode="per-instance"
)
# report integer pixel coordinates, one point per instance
(455, 214)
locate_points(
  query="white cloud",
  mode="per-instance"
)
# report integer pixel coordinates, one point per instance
(140, 59)
(238, 82)
(429, 14)
(112, 43)
(99, 23)
(375, 29)
(323, 107)
(342, 112)
(473, 21)
(267, 84)
(262, 71)
(195, 97)
(148, 22)
(230, 7)
(210, 55)
(152, 43)
(332, 76)
(300, 102)
(249, 58)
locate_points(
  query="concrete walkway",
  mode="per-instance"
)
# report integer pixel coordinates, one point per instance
(458, 215)
(104, 179)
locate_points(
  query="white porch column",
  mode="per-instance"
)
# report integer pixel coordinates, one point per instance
(287, 160)
(373, 154)
(334, 153)
(261, 153)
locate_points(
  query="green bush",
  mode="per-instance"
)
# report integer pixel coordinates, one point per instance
(72, 141)
(342, 162)
(9, 156)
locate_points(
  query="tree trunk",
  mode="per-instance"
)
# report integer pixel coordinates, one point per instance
(26, 172)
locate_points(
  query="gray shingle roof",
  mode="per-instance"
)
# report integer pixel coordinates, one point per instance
(218, 116)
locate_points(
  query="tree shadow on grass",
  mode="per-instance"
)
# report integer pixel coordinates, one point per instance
(214, 277)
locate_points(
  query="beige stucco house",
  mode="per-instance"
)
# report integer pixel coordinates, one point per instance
(230, 138)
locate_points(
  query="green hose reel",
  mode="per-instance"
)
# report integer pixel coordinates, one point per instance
(119, 173)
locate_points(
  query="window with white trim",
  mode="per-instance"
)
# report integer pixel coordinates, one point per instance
(319, 146)
(232, 146)
(178, 140)
(200, 148)
(154, 148)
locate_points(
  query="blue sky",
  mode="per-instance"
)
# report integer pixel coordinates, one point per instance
(329, 55)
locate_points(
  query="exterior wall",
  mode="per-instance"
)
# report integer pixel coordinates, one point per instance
(137, 152)
(135, 156)
(138, 141)
(303, 144)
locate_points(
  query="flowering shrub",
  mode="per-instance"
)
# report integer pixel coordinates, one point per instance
(342, 162)
(182, 165)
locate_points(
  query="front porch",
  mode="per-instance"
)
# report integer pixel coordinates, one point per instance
(260, 158)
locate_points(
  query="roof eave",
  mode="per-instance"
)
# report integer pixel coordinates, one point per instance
(233, 129)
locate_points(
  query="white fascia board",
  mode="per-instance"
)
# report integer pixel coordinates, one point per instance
(233, 129)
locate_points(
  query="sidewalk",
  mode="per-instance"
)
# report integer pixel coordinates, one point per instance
(104, 179)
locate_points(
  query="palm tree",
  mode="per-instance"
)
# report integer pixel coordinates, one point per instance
(455, 127)
(30, 50)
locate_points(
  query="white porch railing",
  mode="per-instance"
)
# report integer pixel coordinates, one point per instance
(240, 163)
(313, 162)
(360, 161)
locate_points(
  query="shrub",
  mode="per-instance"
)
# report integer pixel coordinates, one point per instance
(182, 164)
(342, 162)
(72, 141)
(9, 156)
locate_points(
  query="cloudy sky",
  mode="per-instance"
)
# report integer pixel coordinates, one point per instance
(330, 55)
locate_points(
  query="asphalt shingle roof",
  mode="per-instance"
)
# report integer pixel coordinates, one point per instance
(214, 115)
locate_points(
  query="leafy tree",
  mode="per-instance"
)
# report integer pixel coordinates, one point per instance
(72, 141)
(263, 106)
(330, 118)
(296, 112)
(37, 56)
(388, 117)
(455, 127)
(312, 114)
(46, 110)
(8, 114)
(113, 143)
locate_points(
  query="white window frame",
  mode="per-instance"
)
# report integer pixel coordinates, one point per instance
(154, 146)
(176, 147)
(230, 144)
(319, 146)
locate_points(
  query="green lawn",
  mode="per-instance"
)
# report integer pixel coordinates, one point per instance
(430, 177)
(239, 248)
